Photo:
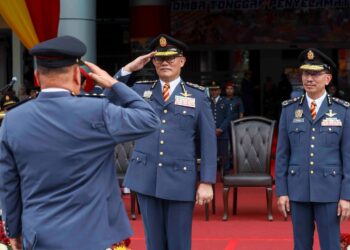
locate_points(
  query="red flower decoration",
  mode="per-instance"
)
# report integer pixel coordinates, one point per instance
(344, 241)
(3, 238)
(123, 245)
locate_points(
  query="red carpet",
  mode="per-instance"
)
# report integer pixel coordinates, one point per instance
(248, 230)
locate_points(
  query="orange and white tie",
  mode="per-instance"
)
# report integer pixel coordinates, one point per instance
(166, 92)
(313, 110)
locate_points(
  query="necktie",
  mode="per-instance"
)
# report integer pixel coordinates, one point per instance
(166, 92)
(313, 110)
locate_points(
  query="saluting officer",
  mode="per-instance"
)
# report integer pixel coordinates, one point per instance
(222, 117)
(313, 160)
(163, 168)
(58, 187)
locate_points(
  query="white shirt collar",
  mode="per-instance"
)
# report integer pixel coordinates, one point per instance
(318, 101)
(216, 99)
(54, 90)
(173, 84)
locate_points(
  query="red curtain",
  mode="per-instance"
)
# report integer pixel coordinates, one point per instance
(45, 17)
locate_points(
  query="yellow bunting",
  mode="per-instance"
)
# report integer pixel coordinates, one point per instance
(16, 15)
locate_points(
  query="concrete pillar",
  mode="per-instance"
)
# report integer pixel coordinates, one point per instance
(17, 61)
(78, 19)
(3, 63)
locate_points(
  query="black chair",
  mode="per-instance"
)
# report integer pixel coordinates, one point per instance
(123, 152)
(252, 141)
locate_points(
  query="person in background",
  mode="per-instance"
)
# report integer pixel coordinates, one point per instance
(332, 90)
(222, 116)
(237, 111)
(236, 104)
(313, 160)
(284, 92)
(34, 93)
(271, 99)
(248, 93)
(22, 94)
(284, 88)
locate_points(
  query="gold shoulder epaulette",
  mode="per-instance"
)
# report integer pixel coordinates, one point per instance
(196, 86)
(92, 95)
(146, 82)
(18, 104)
(341, 102)
(290, 101)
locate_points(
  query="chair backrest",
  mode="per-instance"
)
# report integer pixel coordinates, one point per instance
(251, 144)
(123, 152)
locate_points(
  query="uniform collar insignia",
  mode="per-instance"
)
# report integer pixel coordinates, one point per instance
(302, 99)
(329, 99)
(330, 113)
(154, 84)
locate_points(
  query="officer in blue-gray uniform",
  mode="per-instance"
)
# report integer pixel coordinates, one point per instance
(313, 160)
(236, 104)
(222, 117)
(58, 184)
(163, 168)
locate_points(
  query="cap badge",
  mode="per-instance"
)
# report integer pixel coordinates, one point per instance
(310, 55)
(162, 42)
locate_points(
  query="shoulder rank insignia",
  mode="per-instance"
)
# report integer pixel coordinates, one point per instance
(290, 101)
(196, 86)
(146, 82)
(341, 102)
(92, 95)
(19, 104)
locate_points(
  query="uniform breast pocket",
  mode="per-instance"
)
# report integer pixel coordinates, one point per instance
(185, 116)
(330, 135)
(138, 158)
(296, 132)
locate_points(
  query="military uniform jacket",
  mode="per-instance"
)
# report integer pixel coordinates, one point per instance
(58, 185)
(163, 164)
(236, 107)
(222, 116)
(313, 157)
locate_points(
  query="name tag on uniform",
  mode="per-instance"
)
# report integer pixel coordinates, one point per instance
(298, 120)
(331, 122)
(185, 101)
(147, 94)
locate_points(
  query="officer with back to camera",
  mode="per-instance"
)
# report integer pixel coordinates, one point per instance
(59, 188)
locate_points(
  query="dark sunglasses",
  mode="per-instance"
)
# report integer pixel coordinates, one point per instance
(168, 59)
